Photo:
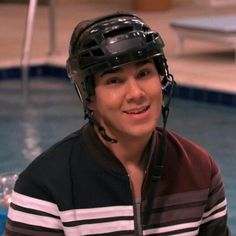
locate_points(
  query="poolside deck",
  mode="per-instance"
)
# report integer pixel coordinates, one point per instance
(203, 64)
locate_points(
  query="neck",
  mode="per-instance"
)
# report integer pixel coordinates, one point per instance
(133, 155)
(130, 151)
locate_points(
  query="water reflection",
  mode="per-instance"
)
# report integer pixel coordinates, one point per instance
(32, 138)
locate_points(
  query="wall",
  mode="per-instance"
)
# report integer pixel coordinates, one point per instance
(78, 1)
(125, 1)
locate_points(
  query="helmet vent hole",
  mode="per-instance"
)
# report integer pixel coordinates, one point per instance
(145, 28)
(97, 52)
(85, 55)
(149, 37)
(90, 43)
(119, 31)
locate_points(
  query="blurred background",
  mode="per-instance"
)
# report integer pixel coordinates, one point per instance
(38, 105)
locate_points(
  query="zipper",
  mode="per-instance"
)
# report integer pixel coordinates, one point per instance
(138, 224)
(137, 212)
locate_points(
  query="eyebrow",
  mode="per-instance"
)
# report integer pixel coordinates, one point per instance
(114, 70)
(143, 62)
(118, 69)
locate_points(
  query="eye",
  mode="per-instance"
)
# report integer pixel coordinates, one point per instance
(113, 81)
(144, 73)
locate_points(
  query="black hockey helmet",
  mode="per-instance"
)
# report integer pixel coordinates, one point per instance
(108, 42)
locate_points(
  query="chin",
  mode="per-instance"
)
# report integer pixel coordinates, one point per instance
(141, 132)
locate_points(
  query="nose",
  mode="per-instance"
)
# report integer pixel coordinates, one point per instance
(135, 92)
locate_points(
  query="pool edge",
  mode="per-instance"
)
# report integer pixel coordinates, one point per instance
(181, 91)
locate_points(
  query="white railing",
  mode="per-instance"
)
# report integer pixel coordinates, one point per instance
(28, 40)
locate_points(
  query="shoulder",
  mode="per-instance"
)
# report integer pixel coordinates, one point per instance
(187, 148)
(50, 171)
(190, 162)
(59, 152)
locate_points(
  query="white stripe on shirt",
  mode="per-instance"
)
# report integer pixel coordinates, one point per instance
(96, 213)
(34, 203)
(100, 228)
(32, 219)
(218, 206)
(168, 229)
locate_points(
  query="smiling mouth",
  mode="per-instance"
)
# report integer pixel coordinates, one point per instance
(137, 111)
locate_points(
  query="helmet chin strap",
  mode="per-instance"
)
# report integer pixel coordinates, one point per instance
(101, 129)
(89, 114)
(105, 136)
(170, 85)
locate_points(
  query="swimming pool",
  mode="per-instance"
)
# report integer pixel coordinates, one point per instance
(54, 111)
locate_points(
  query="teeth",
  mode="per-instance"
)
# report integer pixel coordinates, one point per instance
(137, 111)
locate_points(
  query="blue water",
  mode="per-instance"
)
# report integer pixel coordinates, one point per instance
(3, 215)
(53, 111)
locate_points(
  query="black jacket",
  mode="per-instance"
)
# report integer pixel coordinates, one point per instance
(78, 187)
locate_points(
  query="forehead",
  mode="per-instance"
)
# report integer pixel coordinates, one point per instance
(126, 67)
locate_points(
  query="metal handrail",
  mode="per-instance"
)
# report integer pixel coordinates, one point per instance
(52, 27)
(25, 56)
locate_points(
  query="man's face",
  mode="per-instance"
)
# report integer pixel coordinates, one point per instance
(128, 99)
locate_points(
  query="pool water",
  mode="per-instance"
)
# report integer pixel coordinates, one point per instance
(53, 111)
(3, 215)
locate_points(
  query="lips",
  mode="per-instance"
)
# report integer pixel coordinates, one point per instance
(137, 111)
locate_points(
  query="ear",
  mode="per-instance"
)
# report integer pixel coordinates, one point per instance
(91, 103)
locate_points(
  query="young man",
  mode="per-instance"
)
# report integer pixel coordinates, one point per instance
(120, 174)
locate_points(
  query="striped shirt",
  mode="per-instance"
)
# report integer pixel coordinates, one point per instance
(78, 187)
